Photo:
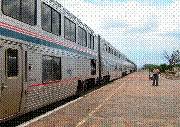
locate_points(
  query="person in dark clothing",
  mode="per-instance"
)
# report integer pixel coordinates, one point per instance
(156, 73)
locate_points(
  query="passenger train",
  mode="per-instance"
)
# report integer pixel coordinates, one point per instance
(47, 54)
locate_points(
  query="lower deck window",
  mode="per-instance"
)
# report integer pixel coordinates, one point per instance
(51, 68)
(12, 62)
(93, 67)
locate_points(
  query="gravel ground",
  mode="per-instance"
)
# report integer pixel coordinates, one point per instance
(128, 102)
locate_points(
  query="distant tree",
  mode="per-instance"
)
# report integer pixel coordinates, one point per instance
(163, 67)
(150, 67)
(177, 65)
(173, 58)
(146, 66)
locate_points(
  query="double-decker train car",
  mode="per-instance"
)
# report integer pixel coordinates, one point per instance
(110, 61)
(46, 55)
(114, 64)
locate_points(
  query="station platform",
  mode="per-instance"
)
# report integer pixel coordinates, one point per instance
(131, 101)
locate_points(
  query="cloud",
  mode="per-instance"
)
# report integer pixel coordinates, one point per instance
(110, 24)
(105, 1)
(147, 43)
(133, 26)
(150, 26)
(175, 35)
(144, 2)
(156, 2)
(132, 13)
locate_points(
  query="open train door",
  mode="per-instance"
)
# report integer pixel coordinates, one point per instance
(10, 79)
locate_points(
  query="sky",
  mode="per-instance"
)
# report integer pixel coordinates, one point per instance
(141, 29)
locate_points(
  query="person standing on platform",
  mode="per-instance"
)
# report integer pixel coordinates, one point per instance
(156, 73)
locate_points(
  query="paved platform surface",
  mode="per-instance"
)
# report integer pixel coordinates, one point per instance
(128, 102)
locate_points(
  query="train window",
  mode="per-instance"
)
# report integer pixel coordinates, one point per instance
(82, 37)
(51, 69)
(67, 26)
(28, 11)
(109, 50)
(69, 30)
(91, 42)
(46, 18)
(12, 62)
(73, 31)
(90, 39)
(115, 53)
(21, 10)
(56, 22)
(11, 8)
(105, 47)
(50, 20)
(93, 67)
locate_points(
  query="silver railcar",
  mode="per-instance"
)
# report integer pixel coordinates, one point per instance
(46, 55)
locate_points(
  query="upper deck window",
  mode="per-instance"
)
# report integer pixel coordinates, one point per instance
(89, 45)
(105, 48)
(112, 51)
(115, 53)
(91, 41)
(56, 21)
(82, 37)
(109, 50)
(69, 30)
(22, 10)
(50, 20)
(46, 18)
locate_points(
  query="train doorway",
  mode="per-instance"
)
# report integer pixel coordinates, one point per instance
(10, 79)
